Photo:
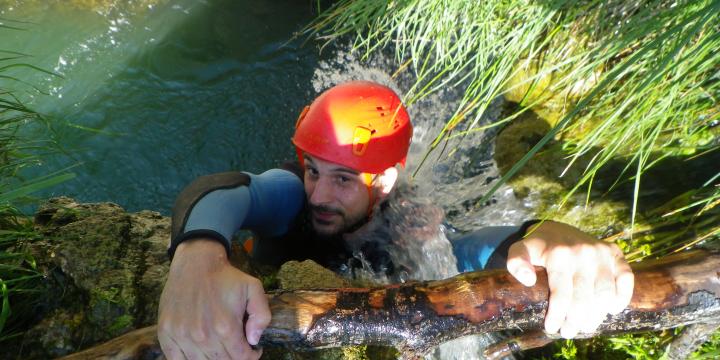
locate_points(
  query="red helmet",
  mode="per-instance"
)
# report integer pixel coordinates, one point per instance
(358, 124)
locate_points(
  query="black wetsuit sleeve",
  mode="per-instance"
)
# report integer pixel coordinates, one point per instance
(498, 259)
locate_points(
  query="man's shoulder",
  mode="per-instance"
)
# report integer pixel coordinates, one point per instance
(293, 167)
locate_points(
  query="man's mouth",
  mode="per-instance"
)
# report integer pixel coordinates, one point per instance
(324, 215)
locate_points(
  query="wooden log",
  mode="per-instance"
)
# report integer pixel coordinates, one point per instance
(415, 317)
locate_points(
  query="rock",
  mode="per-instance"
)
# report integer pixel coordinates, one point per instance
(544, 181)
(113, 267)
(105, 270)
(308, 274)
(547, 92)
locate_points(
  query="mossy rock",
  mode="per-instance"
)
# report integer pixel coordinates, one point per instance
(104, 266)
(545, 180)
(533, 85)
(294, 275)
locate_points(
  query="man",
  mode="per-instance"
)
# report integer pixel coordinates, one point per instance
(349, 142)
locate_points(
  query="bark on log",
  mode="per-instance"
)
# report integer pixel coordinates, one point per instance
(415, 317)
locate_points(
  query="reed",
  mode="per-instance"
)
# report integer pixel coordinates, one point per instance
(21, 283)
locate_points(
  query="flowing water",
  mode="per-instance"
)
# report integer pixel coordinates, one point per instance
(153, 94)
(165, 91)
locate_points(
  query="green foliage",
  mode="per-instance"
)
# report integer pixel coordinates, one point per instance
(20, 279)
(650, 68)
(650, 346)
(567, 351)
(709, 350)
(122, 323)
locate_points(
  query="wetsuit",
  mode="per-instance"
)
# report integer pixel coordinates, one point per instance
(272, 206)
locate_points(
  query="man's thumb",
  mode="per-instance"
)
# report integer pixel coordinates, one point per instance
(258, 313)
(519, 265)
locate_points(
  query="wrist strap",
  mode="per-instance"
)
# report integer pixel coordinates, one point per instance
(196, 234)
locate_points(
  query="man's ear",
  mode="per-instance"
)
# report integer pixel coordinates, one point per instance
(387, 180)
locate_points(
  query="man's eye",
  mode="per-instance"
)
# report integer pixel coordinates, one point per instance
(312, 171)
(344, 179)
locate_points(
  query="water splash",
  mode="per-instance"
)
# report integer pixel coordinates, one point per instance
(454, 177)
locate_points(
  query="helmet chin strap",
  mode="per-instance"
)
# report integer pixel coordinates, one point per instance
(368, 179)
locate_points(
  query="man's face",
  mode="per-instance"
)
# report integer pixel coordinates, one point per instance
(337, 195)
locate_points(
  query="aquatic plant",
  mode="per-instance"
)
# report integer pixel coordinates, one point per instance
(636, 82)
(20, 279)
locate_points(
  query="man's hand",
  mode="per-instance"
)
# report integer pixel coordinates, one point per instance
(587, 278)
(203, 305)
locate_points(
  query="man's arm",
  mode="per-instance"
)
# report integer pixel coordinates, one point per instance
(205, 299)
(478, 250)
(588, 278)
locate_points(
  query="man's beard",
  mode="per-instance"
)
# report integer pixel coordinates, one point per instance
(348, 225)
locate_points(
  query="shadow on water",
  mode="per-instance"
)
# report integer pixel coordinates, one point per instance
(220, 91)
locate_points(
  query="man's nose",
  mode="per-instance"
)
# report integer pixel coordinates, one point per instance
(322, 193)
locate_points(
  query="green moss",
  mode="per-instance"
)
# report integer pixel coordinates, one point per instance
(355, 352)
(122, 323)
(308, 274)
(270, 281)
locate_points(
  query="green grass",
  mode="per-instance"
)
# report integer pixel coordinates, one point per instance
(21, 281)
(636, 82)
(653, 67)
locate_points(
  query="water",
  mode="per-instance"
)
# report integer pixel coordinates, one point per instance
(453, 181)
(172, 90)
(156, 93)
(176, 89)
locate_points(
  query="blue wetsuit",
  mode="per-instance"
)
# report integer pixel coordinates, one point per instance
(270, 204)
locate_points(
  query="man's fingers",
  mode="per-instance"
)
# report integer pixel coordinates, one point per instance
(215, 350)
(258, 312)
(604, 299)
(239, 349)
(232, 338)
(519, 264)
(580, 312)
(561, 289)
(191, 352)
(624, 284)
(169, 347)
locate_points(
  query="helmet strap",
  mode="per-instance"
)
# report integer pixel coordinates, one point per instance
(369, 179)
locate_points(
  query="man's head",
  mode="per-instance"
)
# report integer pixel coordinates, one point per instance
(348, 142)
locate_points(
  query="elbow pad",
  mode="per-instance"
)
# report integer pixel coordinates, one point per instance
(189, 197)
